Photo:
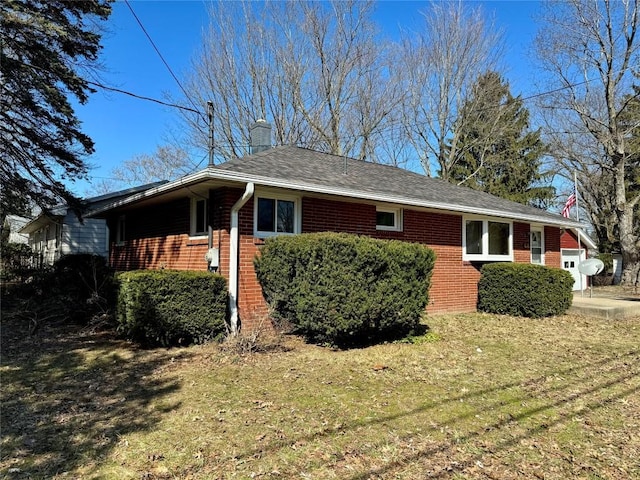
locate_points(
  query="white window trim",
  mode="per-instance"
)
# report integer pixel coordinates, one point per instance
(485, 257)
(397, 217)
(542, 246)
(194, 221)
(297, 213)
(120, 230)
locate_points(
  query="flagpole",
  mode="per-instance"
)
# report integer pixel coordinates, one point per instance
(575, 192)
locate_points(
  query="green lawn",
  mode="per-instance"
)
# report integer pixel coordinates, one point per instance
(480, 396)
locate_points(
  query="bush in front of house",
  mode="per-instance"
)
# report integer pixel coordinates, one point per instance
(524, 290)
(345, 290)
(84, 284)
(77, 288)
(14, 261)
(164, 307)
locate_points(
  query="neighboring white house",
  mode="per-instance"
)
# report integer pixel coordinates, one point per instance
(15, 223)
(59, 231)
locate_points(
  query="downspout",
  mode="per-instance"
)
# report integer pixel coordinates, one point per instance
(233, 257)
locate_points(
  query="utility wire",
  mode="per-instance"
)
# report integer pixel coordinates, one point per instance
(160, 55)
(141, 97)
(118, 90)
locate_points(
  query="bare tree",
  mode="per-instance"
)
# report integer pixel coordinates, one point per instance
(166, 163)
(441, 63)
(313, 69)
(590, 49)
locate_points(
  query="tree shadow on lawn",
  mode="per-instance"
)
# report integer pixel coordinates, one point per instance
(584, 390)
(451, 462)
(68, 394)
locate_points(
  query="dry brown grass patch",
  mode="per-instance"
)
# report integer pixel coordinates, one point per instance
(487, 397)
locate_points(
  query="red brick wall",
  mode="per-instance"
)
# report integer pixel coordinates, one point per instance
(552, 247)
(454, 284)
(152, 242)
(158, 237)
(252, 308)
(322, 215)
(569, 240)
(521, 242)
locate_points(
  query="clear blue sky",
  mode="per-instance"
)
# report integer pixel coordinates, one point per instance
(122, 126)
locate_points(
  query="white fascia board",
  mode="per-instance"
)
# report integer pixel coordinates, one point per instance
(39, 222)
(243, 178)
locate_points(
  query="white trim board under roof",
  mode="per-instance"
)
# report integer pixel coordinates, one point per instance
(295, 168)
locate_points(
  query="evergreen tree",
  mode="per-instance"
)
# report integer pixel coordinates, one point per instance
(498, 153)
(47, 48)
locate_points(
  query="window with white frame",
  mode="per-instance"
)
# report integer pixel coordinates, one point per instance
(537, 246)
(199, 209)
(276, 215)
(120, 237)
(388, 218)
(487, 240)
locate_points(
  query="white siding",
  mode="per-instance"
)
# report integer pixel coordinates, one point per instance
(44, 243)
(87, 237)
(15, 223)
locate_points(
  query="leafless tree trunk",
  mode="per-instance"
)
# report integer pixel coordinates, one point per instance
(590, 48)
(315, 70)
(441, 63)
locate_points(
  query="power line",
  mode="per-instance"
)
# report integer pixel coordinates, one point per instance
(118, 90)
(142, 97)
(160, 54)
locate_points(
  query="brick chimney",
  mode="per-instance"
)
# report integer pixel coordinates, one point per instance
(260, 135)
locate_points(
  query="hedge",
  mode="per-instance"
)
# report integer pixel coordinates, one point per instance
(345, 290)
(524, 290)
(163, 307)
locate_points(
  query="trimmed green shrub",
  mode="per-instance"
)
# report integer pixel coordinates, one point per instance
(164, 307)
(524, 290)
(345, 290)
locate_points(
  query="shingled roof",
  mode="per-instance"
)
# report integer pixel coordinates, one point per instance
(310, 170)
(304, 170)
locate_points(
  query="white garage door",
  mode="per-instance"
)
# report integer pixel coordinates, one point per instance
(570, 261)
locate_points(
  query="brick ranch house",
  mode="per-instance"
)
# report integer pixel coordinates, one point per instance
(229, 209)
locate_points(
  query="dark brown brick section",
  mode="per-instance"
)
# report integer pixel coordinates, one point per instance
(158, 237)
(322, 215)
(552, 247)
(521, 242)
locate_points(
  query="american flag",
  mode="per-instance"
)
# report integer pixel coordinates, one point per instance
(571, 201)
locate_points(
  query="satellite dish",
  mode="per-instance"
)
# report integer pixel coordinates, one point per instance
(590, 267)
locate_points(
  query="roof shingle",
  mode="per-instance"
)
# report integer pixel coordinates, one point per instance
(302, 166)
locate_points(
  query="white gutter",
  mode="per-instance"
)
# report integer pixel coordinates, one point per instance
(224, 175)
(233, 256)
